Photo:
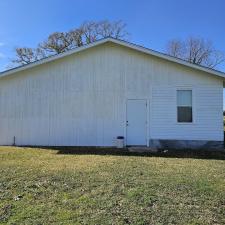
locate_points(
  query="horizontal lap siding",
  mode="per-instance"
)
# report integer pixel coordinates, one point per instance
(207, 114)
(81, 99)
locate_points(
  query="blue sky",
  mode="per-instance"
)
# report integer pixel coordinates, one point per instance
(150, 22)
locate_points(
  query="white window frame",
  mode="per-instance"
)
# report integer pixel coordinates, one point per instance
(186, 88)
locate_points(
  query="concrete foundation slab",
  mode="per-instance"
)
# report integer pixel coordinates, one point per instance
(186, 144)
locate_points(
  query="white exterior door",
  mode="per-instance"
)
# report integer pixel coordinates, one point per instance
(136, 122)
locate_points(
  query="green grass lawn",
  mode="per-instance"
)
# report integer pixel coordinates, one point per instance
(46, 186)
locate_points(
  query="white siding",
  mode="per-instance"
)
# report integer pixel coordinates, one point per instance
(81, 99)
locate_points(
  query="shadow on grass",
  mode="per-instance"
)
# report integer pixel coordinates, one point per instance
(195, 154)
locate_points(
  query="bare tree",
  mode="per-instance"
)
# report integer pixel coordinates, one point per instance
(115, 29)
(76, 37)
(196, 50)
(93, 31)
(28, 55)
(89, 31)
(175, 48)
(56, 43)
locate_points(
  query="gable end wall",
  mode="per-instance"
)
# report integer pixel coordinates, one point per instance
(80, 100)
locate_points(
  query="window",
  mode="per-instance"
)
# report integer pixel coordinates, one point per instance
(184, 106)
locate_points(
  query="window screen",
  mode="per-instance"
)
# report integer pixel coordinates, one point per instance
(184, 106)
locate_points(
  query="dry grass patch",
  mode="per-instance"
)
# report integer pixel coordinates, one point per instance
(40, 186)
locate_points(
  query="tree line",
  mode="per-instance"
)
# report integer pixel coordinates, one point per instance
(193, 49)
(59, 42)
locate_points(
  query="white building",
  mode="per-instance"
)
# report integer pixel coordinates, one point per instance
(90, 95)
